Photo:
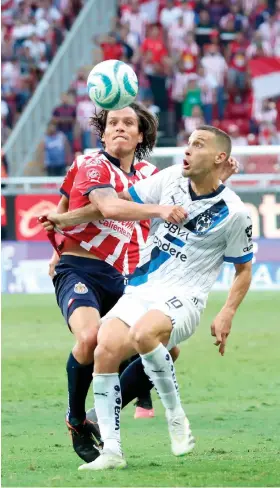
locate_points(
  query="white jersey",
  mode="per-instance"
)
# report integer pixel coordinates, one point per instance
(189, 256)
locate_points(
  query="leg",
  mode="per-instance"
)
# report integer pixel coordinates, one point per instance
(134, 382)
(149, 341)
(113, 347)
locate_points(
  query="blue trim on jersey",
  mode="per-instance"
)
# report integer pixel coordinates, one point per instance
(141, 274)
(134, 195)
(240, 259)
(213, 194)
(174, 240)
(213, 216)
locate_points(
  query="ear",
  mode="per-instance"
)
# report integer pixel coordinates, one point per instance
(221, 158)
(140, 138)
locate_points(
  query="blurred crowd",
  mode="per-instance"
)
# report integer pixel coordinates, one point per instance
(192, 59)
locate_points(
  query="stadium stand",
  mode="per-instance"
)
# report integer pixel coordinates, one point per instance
(196, 61)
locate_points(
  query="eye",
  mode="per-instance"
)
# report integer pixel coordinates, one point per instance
(128, 122)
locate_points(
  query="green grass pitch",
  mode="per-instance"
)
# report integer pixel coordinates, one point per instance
(232, 403)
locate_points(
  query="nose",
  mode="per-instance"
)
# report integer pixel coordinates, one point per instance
(119, 127)
(187, 151)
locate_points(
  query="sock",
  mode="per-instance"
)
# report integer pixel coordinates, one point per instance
(134, 382)
(158, 365)
(79, 380)
(108, 404)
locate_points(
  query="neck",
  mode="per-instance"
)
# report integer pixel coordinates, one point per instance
(125, 161)
(203, 185)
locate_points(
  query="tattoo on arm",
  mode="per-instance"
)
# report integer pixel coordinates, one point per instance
(104, 193)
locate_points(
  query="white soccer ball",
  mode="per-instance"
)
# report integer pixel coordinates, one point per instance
(112, 85)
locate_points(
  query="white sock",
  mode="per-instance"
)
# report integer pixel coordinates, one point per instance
(158, 365)
(108, 404)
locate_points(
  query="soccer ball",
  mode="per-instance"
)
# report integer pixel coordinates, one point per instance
(112, 85)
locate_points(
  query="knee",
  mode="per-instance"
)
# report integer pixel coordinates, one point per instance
(87, 341)
(140, 337)
(107, 358)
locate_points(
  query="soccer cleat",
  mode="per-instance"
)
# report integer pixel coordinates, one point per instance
(86, 440)
(144, 413)
(144, 408)
(106, 460)
(182, 440)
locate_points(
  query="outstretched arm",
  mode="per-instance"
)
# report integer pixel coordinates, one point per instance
(221, 325)
(104, 203)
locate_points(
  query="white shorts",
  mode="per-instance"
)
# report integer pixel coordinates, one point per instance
(183, 311)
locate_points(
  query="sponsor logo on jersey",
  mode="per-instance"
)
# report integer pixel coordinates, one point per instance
(249, 232)
(80, 288)
(167, 247)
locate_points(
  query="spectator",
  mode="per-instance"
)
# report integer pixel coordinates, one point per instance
(64, 116)
(178, 90)
(85, 110)
(192, 96)
(80, 84)
(194, 121)
(136, 20)
(176, 36)
(128, 42)
(190, 53)
(217, 9)
(154, 45)
(110, 46)
(37, 48)
(48, 12)
(240, 22)
(236, 138)
(170, 14)
(204, 28)
(55, 151)
(208, 87)
(270, 30)
(258, 47)
(215, 64)
(189, 15)
(236, 58)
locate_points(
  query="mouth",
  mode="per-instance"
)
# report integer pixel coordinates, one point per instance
(120, 137)
(186, 164)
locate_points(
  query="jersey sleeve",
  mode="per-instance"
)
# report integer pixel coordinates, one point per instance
(148, 190)
(239, 240)
(68, 181)
(92, 176)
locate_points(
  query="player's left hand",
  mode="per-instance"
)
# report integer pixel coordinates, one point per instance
(220, 329)
(229, 168)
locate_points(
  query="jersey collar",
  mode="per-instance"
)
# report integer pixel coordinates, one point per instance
(116, 162)
(194, 196)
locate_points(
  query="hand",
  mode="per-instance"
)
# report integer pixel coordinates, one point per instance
(52, 264)
(52, 220)
(173, 214)
(229, 168)
(220, 328)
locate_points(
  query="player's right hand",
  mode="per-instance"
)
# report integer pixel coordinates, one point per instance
(173, 214)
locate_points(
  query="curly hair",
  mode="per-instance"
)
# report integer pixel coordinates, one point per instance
(147, 124)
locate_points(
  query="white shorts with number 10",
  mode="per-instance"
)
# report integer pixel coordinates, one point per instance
(184, 311)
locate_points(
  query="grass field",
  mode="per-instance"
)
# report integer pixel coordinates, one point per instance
(232, 403)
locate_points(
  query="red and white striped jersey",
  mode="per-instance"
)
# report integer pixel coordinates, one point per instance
(117, 243)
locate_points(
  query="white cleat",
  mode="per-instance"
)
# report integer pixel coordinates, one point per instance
(182, 440)
(106, 460)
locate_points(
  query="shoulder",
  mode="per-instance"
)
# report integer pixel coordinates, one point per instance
(145, 168)
(237, 208)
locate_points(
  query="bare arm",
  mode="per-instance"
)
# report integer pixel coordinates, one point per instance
(221, 325)
(112, 207)
(106, 204)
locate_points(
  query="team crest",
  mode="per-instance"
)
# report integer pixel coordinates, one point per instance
(204, 223)
(80, 288)
(93, 174)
